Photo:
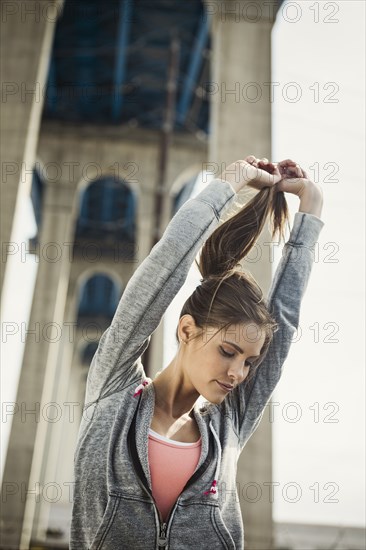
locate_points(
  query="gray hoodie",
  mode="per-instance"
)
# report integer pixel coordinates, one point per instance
(113, 506)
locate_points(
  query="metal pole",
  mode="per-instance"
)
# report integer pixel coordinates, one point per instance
(165, 142)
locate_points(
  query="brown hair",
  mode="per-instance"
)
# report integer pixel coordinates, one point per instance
(228, 295)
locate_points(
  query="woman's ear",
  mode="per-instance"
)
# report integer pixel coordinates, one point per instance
(187, 327)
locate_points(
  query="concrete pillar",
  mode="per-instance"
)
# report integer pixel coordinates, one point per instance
(39, 369)
(57, 460)
(27, 30)
(241, 125)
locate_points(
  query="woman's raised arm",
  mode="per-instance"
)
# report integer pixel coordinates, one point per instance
(284, 299)
(151, 289)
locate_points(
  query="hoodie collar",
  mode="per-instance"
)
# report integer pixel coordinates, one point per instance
(143, 423)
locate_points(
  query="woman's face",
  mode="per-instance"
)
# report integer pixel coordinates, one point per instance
(213, 362)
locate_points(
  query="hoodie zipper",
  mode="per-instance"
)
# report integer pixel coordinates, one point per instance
(163, 525)
(162, 541)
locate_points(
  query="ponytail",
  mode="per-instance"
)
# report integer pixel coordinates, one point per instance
(234, 239)
(227, 295)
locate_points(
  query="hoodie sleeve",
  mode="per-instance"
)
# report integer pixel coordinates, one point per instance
(116, 362)
(284, 301)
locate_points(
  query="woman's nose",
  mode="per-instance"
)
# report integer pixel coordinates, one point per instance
(238, 372)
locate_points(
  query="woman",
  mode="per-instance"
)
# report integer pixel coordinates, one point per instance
(153, 469)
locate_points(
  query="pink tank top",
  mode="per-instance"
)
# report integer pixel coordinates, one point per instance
(171, 464)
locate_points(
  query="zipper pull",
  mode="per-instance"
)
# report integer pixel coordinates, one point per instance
(162, 537)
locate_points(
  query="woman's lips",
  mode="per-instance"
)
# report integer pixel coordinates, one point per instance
(225, 387)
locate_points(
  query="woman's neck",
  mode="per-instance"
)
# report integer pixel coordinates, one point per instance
(174, 395)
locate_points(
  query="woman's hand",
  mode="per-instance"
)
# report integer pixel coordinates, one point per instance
(296, 181)
(257, 173)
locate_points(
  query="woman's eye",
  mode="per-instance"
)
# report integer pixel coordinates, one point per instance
(226, 354)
